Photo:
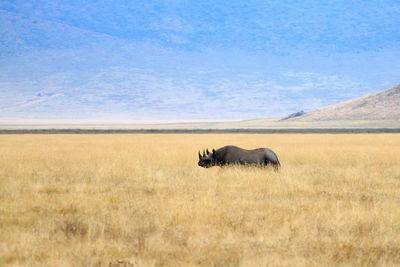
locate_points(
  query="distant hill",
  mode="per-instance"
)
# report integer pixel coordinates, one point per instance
(294, 115)
(382, 105)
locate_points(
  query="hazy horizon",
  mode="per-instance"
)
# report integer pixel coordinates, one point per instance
(191, 61)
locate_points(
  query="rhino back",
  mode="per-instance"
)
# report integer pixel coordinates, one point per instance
(233, 154)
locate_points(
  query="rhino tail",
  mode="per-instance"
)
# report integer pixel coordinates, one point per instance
(271, 157)
(275, 162)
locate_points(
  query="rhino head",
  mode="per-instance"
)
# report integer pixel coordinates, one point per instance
(208, 159)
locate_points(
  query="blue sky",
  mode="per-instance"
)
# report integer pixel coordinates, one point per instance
(191, 60)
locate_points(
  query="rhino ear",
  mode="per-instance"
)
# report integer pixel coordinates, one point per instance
(208, 152)
(199, 155)
(213, 153)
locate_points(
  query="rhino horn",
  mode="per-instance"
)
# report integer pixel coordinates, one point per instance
(204, 153)
(199, 155)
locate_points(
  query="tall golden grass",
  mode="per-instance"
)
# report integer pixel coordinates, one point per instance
(141, 200)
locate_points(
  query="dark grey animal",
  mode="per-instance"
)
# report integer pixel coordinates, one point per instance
(229, 155)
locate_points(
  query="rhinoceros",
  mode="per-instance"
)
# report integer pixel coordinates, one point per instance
(230, 155)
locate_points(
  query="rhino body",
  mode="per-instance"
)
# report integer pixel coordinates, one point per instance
(230, 155)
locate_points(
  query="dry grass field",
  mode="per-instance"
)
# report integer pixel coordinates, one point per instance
(141, 200)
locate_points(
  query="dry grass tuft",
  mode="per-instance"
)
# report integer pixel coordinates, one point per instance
(141, 200)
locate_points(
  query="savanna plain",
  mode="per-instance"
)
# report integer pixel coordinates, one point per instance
(141, 200)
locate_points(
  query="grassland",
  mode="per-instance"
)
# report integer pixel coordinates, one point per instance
(141, 200)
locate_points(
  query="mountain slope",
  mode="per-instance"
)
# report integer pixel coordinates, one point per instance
(382, 105)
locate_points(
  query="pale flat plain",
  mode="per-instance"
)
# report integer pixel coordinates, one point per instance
(141, 200)
(269, 123)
